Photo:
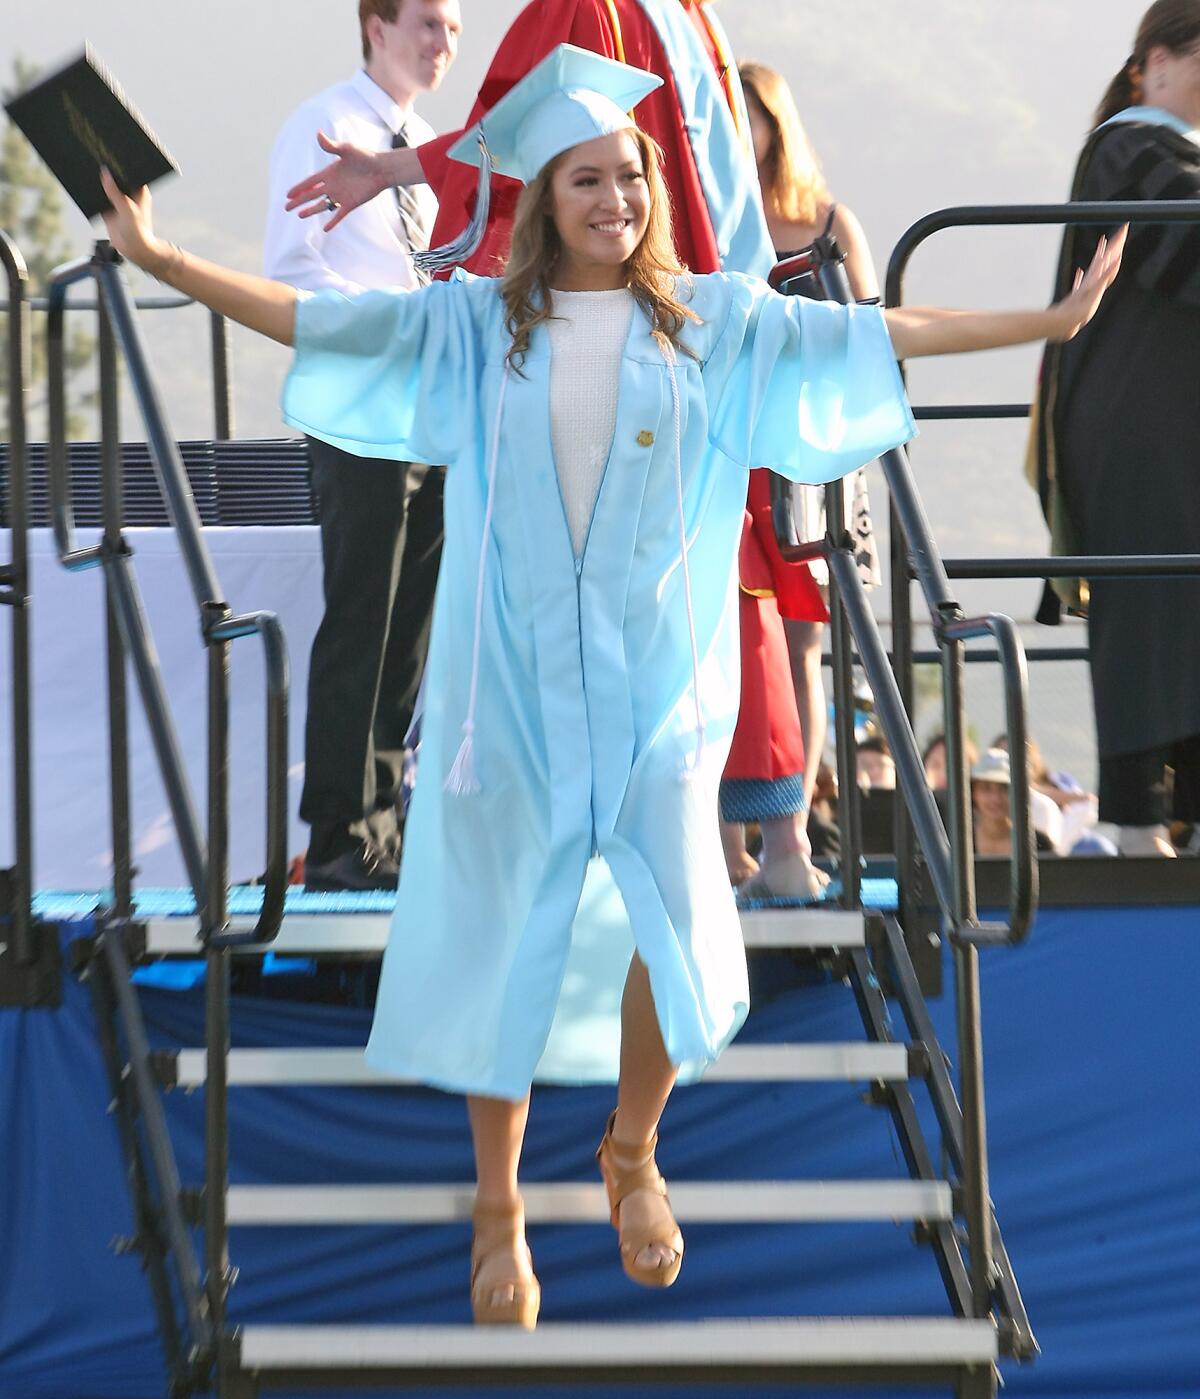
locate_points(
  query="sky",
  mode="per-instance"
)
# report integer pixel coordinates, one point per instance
(912, 105)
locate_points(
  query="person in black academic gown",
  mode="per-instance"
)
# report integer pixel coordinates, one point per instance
(1119, 466)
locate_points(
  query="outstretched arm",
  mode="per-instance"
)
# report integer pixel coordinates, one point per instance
(265, 306)
(354, 178)
(935, 330)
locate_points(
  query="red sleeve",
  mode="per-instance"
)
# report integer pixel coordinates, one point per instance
(540, 27)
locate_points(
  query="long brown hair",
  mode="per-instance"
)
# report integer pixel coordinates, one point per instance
(653, 268)
(1170, 24)
(793, 185)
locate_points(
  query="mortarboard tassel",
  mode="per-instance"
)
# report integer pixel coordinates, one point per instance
(461, 249)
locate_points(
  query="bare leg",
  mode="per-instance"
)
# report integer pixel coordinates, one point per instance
(647, 1077)
(738, 860)
(784, 836)
(804, 648)
(498, 1131)
(787, 869)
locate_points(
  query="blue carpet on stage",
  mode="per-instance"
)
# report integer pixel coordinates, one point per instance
(1091, 1043)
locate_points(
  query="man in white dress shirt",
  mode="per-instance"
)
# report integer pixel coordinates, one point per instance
(381, 523)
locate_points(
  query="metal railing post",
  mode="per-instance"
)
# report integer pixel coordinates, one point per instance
(216, 1005)
(977, 1198)
(113, 494)
(902, 668)
(222, 361)
(216, 1134)
(14, 591)
(849, 804)
(958, 781)
(910, 777)
(977, 1201)
(149, 1104)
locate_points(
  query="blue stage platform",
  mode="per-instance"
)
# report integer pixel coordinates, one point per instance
(1091, 1041)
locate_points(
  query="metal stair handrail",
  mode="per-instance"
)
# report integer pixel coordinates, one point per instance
(220, 355)
(917, 563)
(206, 862)
(1070, 566)
(949, 859)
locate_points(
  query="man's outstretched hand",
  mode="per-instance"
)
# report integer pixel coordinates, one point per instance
(353, 178)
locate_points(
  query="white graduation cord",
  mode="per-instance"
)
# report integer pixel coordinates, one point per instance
(461, 779)
(668, 353)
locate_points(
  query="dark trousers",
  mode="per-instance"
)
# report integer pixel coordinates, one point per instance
(1153, 787)
(381, 543)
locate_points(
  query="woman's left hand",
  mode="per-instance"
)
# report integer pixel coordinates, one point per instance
(1074, 311)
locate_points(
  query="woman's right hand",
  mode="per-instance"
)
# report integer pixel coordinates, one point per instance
(356, 176)
(130, 226)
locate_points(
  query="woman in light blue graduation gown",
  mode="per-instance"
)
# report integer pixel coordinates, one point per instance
(597, 744)
(579, 706)
(593, 829)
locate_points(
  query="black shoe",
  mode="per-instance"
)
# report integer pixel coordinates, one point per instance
(365, 867)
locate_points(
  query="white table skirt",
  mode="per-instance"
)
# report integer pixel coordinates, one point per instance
(276, 570)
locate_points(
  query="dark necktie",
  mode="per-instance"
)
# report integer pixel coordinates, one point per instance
(415, 232)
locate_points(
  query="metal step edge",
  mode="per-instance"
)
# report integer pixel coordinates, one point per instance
(803, 1343)
(362, 934)
(851, 1062)
(694, 1202)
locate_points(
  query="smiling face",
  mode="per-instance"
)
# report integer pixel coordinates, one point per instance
(600, 204)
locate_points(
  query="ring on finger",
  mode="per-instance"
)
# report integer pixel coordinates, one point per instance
(331, 203)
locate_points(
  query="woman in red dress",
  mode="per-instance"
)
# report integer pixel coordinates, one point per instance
(772, 766)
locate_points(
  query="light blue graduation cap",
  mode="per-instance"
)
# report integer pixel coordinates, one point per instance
(570, 97)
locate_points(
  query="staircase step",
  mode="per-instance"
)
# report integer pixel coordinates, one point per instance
(366, 934)
(694, 1202)
(751, 1063)
(849, 1348)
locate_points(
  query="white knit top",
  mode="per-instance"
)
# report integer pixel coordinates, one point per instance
(587, 338)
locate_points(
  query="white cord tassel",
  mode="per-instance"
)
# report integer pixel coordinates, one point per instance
(461, 249)
(692, 766)
(461, 779)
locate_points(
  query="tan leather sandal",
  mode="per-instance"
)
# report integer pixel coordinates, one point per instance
(497, 1229)
(623, 1182)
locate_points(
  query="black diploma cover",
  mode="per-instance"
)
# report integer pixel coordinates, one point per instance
(77, 120)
